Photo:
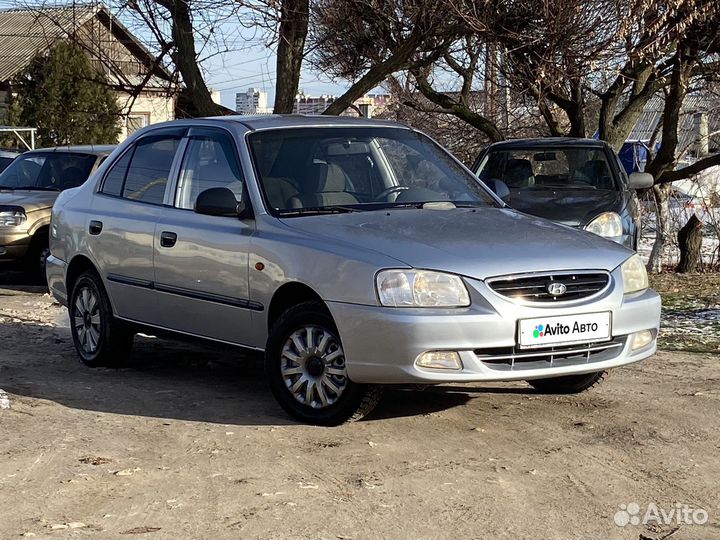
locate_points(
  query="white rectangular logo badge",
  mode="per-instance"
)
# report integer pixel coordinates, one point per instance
(545, 331)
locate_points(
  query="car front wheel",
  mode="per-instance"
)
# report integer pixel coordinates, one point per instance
(570, 384)
(99, 338)
(306, 371)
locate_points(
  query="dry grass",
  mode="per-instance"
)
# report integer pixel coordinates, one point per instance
(691, 311)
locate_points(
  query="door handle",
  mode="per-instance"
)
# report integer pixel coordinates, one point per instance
(95, 227)
(168, 239)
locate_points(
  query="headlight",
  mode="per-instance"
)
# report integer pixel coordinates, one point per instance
(421, 288)
(634, 275)
(608, 224)
(12, 216)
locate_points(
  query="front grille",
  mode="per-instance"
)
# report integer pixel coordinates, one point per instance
(513, 358)
(538, 287)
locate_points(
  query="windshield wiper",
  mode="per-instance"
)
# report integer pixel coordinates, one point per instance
(469, 204)
(8, 188)
(421, 204)
(317, 210)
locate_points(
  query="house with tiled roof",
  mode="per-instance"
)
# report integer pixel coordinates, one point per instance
(111, 48)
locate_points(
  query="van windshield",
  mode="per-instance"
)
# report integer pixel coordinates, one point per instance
(53, 171)
(351, 169)
(551, 168)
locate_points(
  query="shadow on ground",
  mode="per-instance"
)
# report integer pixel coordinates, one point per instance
(18, 281)
(163, 378)
(176, 380)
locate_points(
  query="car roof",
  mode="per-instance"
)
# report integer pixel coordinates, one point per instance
(546, 142)
(97, 149)
(272, 121)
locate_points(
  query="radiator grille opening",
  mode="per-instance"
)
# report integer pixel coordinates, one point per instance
(550, 287)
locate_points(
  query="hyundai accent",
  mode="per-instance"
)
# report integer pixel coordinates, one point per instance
(351, 253)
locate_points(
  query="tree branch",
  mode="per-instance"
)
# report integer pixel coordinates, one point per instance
(463, 112)
(690, 170)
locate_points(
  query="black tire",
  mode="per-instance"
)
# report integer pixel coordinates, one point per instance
(36, 257)
(570, 384)
(113, 339)
(355, 400)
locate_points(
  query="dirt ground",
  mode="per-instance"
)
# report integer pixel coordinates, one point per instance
(188, 443)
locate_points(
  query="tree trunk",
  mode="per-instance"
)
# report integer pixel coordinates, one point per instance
(666, 157)
(185, 58)
(294, 16)
(576, 113)
(661, 194)
(690, 241)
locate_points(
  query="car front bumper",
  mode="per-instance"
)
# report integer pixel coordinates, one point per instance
(13, 246)
(381, 344)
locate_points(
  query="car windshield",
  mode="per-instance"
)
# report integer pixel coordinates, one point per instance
(54, 171)
(554, 168)
(306, 170)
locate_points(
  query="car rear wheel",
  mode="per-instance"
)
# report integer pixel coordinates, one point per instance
(99, 338)
(570, 384)
(305, 368)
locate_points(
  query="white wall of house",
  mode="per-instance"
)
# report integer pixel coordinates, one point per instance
(148, 108)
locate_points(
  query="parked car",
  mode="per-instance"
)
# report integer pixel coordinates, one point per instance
(6, 158)
(28, 189)
(576, 182)
(352, 253)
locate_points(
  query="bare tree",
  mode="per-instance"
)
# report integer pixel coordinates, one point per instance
(366, 41)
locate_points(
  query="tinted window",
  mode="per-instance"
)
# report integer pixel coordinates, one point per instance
(149, 169)
(210, 161)
(540, 168)
(52, 171)
(4, 162)
(116, 176)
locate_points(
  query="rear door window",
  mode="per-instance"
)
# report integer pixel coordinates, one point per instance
(149, 169)
(142, 173)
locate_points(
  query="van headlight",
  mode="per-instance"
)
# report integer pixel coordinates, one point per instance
(634, 275)
(607, 224)
(420, 288)
(12, 216)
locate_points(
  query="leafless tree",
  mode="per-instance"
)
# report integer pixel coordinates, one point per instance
(366, 41)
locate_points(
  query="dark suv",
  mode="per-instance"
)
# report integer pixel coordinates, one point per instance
(576, 182)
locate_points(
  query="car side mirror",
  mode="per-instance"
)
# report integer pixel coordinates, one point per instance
(219, 201)
(641, 180)
(498, 187)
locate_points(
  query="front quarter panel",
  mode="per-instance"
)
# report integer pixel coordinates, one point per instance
(335, 271)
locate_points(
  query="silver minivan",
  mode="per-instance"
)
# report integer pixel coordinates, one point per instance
(352, 253)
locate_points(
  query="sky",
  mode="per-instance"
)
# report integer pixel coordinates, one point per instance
(251, 63)
(239, 70)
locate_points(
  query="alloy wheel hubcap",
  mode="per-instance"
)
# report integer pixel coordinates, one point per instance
(313, 367)
(86, 319)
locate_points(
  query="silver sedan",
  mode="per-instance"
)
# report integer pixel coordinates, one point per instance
(351, 253)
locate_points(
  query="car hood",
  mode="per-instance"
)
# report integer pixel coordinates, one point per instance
(479, 244)
(572, 207)
(30, 200)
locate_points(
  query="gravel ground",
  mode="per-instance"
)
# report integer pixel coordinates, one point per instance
(187, 442)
